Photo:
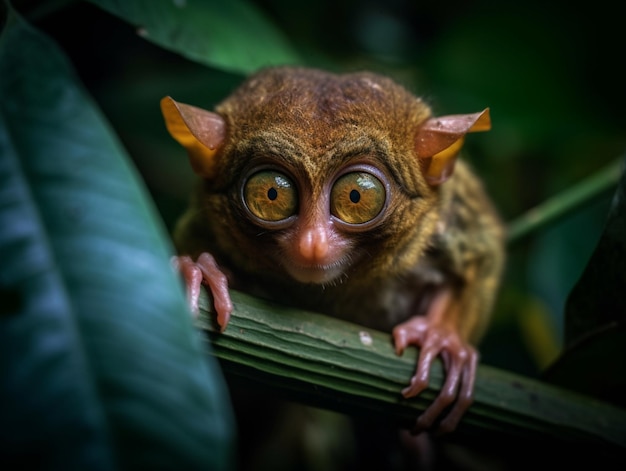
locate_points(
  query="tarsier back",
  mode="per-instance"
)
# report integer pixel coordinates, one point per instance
(343, 195)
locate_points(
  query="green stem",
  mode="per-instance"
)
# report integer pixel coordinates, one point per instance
(558, 206)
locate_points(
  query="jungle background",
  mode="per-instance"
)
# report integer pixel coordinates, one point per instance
(552, 74)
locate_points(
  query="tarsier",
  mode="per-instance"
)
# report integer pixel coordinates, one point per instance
(342, 194)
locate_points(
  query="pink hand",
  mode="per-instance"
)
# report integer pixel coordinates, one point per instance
(205, 270)
(459, 358)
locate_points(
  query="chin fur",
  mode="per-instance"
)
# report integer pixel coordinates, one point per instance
(324, 275)
(315, 275)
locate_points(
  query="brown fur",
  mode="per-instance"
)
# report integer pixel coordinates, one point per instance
(313, 122)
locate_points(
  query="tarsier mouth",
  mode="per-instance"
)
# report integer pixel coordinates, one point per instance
(318, 274)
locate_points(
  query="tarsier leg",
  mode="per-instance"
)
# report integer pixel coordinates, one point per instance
(437, 335)
(205, 270)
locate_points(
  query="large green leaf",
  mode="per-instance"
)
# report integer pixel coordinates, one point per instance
(597, 302)
(101, 367)
(232, 35)
(595, 316)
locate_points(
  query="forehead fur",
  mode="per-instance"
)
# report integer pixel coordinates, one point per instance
(324, 112)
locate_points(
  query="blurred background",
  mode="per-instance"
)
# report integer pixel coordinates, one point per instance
(552, 74)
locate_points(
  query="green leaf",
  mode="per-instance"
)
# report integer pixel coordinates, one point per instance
(328, 362)
(594, 366)
(597, 301)
(101, 366)
(232, 35)
(595, 316)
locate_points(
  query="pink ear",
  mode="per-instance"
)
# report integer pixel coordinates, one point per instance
(200, 132)
(439, 140)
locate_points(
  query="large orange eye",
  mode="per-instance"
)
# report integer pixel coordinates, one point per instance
(357, 197)
(270, 196)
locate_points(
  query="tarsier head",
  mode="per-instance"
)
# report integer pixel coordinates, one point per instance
(321, 169)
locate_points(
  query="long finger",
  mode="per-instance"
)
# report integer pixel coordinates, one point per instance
(465, 396)
(405, 335)
(446, 397)
(428, 352)
(218, 283)
(193, 279)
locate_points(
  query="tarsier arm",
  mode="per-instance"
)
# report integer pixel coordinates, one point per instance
(444, 329)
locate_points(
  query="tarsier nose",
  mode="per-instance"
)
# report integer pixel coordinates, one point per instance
(314, 244)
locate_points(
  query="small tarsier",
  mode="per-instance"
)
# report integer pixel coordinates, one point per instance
(341, 194)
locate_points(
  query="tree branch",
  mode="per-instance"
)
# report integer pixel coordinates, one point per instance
(327, 362)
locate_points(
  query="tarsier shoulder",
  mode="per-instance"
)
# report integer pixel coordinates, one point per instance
(343, 194)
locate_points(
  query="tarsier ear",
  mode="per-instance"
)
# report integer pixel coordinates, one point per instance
(200, 132)
(439, 140)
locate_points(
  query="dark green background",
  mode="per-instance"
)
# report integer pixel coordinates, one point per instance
(551, 72)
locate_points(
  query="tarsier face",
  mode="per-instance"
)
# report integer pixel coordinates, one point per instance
(323, 165)
(315, 222)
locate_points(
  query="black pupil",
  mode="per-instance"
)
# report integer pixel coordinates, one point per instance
(355, 196)
(272, 194)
